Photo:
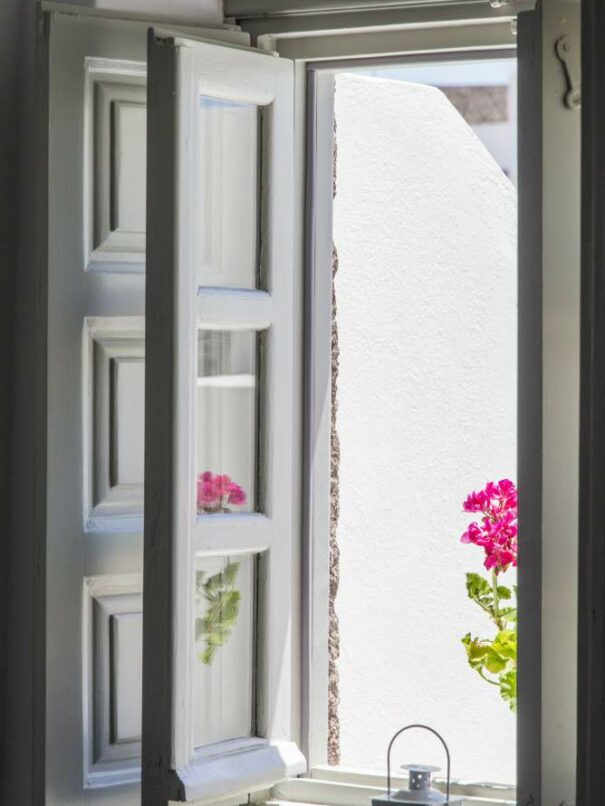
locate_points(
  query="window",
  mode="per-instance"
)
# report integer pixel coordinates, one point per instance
(211, 552)
(219, 328)
(319, 248)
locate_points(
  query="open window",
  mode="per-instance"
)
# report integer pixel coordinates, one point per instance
(219, 651)
(239, 388)
(234, 366)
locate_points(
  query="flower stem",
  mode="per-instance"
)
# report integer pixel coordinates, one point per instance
(497, 616)
(487, 680)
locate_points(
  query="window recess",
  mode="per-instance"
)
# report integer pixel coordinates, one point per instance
(316, 59)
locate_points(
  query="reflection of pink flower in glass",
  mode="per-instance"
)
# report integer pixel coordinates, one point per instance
(496, 532)
(216, 492)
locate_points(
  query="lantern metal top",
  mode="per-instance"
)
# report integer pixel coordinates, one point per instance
(420, 776)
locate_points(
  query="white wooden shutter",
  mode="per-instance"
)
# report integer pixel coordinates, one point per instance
(219, 350)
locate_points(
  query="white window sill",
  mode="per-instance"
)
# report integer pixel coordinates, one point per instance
(338, 786)
(256, 766)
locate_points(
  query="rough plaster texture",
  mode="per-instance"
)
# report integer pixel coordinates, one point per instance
(334, 631)
(425, 224)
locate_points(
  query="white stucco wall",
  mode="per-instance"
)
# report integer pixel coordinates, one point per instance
(425, 225)
(499, 137)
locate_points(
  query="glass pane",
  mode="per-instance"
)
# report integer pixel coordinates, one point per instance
(224, 648)
(227, 396)
(229, 202)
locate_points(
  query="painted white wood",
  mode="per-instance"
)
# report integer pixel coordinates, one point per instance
(127, 412)
(260, 796)
(82, 305)
(243, 533)
(114, 190)
(229, 176)
(112, 424)
(234, 309)
(561, 291)
(348, 775)
(129, 157)
(112, 647)
(393, 41)
(274, 9)
(247, 771)
(153, 13)
(306, 791)
(316, 58)
(127, 679)
(249, 77)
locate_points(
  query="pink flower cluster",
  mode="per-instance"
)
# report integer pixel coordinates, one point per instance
(215, 493)
(496, 532)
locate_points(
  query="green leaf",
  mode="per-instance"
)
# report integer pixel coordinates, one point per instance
(505, 644)
(509, 613)
(504, 592)
(477, 587)
(220, 617)
(494, 662)
(207, 655)
(230, 573)
(475, 650)
(508, 688)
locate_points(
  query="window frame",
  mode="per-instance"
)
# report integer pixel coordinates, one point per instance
(316, 61)
(177, 306)
(318, 362)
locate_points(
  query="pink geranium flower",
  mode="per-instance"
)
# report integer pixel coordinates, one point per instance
(216, 492)
(496, 531)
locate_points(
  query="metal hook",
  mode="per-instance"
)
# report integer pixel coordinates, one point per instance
(573, 93)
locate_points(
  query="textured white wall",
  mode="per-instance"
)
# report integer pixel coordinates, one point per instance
(425, 225)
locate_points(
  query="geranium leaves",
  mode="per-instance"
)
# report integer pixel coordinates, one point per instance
(221, 608)
(508, 688)
(494, 660)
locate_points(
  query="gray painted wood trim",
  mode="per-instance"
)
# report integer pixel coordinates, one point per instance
(24, 202)
(591, 609)
(24, 250)
(39, 291)
(529, 714)
(344, 18)
(159, 782)
(260, 8)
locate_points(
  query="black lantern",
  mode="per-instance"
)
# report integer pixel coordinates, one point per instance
(419, 792)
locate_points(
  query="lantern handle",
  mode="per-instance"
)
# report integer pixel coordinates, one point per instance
(445, 747)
